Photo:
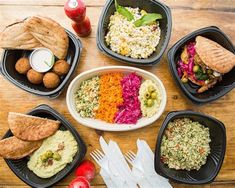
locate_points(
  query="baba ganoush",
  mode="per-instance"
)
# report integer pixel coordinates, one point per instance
(55, 153)
(185, 144)
(150, 98)
(126, 39)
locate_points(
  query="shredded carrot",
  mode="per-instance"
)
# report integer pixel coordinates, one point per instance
(110, 96)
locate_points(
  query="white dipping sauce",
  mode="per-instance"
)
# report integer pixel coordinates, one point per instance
(42, 59)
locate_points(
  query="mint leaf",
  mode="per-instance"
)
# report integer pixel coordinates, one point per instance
(52, 61)
(147, 19)
(123, 11)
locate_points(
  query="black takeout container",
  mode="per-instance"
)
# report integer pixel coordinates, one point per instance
(190, 89)
(19, 167)
(151, 6)
(207, 172)
(10, 57)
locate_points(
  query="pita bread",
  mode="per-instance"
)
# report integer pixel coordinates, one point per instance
(50, 34)
(31, 128)
(214, 55)
(14, 148)
(16, 36)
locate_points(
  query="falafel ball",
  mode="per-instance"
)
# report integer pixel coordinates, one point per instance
(61, 67)
(51, 80)
(34, 77)
(22, 66)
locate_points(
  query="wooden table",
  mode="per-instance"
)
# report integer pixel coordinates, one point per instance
(187, 16)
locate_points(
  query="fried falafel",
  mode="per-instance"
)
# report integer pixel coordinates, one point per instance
(61, 67)
(34, 77)
(22, 66)
(51, 80)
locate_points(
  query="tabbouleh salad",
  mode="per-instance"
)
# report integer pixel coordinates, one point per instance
(86, 97)
(185, 145)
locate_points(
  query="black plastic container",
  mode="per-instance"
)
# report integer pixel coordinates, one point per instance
(207, 172)
(151, 6)
(7, 67)
(19, 167)
(190, 89)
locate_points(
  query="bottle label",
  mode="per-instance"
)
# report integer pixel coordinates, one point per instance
(73, 3)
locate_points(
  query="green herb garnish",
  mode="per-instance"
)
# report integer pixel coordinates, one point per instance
(50, 64)
(47, 63)
(147, 19)
(200, 75)
(123, 11)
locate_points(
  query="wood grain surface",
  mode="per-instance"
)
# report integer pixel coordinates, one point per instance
(187, 16)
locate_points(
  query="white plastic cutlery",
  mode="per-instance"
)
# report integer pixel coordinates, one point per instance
(131, 158)
(137, 170)
(115, 159)
(122, 162)
(146, 156)
(145, 153)
(107, 179)
(116, 172)
(115, 180)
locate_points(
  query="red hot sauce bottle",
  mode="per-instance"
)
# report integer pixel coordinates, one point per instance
(76, 11)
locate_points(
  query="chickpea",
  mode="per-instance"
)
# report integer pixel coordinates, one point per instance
(143, 12)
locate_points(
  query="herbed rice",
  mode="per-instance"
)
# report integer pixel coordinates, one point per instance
(126, 39)
(185, 144)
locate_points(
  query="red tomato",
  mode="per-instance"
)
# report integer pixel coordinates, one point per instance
(79, 182)
(86, 169)
(75, 10)
(83, 29)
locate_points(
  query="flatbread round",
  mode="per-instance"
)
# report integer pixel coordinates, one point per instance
(214, 55)
(14, 148)
(50, 34)
(31, 128)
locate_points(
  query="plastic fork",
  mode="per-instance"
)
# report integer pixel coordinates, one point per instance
(156, 181)
(140, 174)
(100, 159)
(103, 162)
(131, 158)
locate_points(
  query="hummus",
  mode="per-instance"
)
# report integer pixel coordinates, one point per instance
(54, 154)
(150, 98)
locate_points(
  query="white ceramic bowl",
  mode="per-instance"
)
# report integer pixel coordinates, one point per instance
(101, 125)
